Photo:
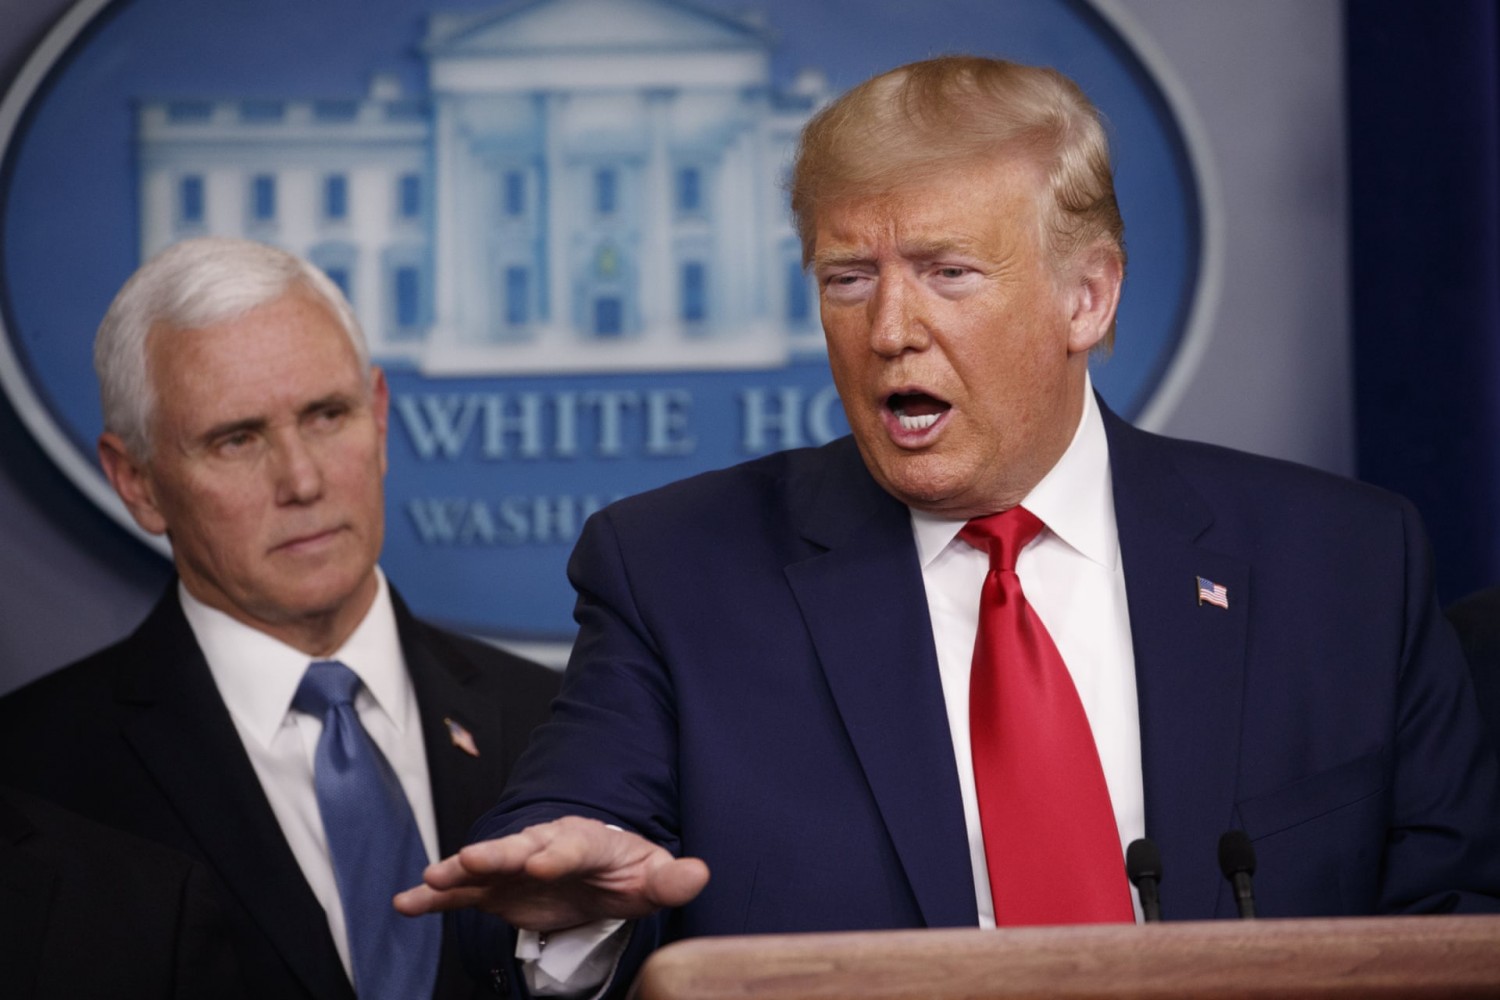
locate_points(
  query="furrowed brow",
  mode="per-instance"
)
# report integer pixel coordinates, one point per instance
(934, 248)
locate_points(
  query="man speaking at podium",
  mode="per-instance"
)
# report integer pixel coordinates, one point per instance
(939, 673)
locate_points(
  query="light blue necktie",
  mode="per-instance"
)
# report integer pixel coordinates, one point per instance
(373, 838)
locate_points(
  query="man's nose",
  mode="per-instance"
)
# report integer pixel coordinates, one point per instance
(898, 321)
(299, 474)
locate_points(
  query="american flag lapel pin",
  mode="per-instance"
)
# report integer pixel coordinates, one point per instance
(461, 738)
(1212, 593)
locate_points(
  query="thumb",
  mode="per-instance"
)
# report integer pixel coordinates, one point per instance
(676, 882)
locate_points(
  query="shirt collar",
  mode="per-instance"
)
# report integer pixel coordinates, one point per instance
(258, 675)
(1075, 499)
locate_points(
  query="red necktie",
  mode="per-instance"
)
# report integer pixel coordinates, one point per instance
(1049, 830)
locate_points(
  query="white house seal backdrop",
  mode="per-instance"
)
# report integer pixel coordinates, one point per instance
(561, 222)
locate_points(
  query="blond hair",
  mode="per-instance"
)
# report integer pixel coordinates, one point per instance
(900, 126)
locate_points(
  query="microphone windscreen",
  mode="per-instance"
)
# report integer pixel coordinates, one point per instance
(1236, 854)
(1142, 860)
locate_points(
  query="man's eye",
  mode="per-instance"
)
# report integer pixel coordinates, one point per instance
(846, 279)
(231, 443)
(952, 272)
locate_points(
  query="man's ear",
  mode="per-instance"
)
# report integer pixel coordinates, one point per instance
(380, 407)
(132, 481)
(1094, 283)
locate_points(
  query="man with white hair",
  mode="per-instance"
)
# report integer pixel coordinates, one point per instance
(280, 715)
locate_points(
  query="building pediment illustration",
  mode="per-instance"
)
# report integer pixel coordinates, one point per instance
(573, 27)
(585, 185)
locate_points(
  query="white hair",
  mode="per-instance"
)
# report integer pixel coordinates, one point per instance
(188, 286)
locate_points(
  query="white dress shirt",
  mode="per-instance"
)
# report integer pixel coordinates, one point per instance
(257, 677)
(1072, 576)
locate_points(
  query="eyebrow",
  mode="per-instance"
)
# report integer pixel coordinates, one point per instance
(332, 399)
(260, 423)
(837, 258)
(910, 249)
(928, 249)
(233, 427)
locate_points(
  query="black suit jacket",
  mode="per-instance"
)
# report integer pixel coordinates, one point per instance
(86, 911)
(137, 737)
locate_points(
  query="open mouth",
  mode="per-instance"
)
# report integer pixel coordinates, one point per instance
(916, 411)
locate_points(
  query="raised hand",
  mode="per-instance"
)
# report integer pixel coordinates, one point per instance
(560, 874)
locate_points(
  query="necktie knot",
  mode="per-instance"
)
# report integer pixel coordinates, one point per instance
(326, 685)
(1002, 535)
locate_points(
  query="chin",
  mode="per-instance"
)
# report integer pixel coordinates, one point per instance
(327, 595)
(918, 480)
(922, 496)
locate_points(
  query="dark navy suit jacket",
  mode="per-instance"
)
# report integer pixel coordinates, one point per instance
(755, 684)
(137, 737)
(1476, 619)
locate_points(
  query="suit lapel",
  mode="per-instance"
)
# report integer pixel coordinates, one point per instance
(464, 785)
(865, 606)
(1189, 664)
(185, 738)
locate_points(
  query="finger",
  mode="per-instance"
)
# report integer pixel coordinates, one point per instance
(446, 874)
(564, 851)
(677, 882)
(578, 846)
(422, 899)
(502, 856)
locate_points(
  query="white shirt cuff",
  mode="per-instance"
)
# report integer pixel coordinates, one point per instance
(572, 962)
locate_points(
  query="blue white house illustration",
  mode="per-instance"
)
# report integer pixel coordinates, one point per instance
(585, 185)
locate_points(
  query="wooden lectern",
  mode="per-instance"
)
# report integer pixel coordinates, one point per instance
(1365, 957)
